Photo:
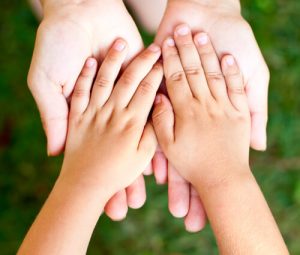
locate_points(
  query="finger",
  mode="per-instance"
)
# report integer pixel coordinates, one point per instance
(211, 66)
(117, 208)
(82, 90)
(160, 167)
(136, 193)
(257, 94)
(54, 111)
(163, 121)
(259, 130)
(133, 75)
(177, 85)
(143, 98)
(179, 193)
(148, 143)
(196, 218)
(190, 60)
(108, 73)
(149, 170)
(235, 84)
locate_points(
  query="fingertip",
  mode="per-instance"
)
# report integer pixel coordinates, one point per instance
(116, 208)
(154, 48)
(229, 65)
(182, 30)
(178, 209)
(56, 133)
(120, 45)
(136, 201)
(193, 226)
(201, 39)
(149, 170)
(91, 62)
(168, 43)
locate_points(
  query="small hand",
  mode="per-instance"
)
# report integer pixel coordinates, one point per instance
(207, 114)
(109, 141)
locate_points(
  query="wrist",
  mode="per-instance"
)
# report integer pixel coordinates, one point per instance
(65, 5)
(72, 189)
(222, 177)
(223, 4)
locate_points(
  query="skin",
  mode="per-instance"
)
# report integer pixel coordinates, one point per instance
(70, 32)
(210, 117)
(222, 20)
(215, 160)
(102, 123)
(81, 24)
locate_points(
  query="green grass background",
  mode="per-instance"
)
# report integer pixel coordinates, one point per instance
(27, 175)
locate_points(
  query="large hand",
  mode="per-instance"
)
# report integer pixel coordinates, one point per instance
(230, 33)
(67, 36)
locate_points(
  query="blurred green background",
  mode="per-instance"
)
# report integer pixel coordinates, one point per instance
(27, 175)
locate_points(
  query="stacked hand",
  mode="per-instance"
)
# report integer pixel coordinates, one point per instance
(72, 32)
(207, 115)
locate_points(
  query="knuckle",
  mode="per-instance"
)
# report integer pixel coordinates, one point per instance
(102, 82)
(146, 87)
(85, 73)
(157, 116)
(127, 78)
(178, 76)
(214, 77)
(214, 111)
(188, 45)
(131, 124)
(158, 68)
(146, 55)
(239, 90)
(240, 117)
(193, 70)
(113, 57)
(80, 93)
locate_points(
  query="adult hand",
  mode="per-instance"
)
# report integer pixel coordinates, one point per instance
(70, 32)
(230, 34)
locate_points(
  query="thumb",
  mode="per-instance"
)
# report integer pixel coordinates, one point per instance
(257, 93)
(53, 108)
(163, 121)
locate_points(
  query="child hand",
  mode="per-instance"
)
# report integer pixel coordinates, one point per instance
(207, 114)
(109, 141)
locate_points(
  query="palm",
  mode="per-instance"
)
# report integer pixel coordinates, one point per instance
(60, 52)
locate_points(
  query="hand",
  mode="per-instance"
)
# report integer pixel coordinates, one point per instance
(112, 121)
(223, 22)
(67, 36)
(208, 115)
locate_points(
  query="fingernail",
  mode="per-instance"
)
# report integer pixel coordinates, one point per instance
(230, 60)
(154, 48)
(202, 39)
(90, 62)
(170, 42)
(119, 45)
(182, 30)
(158, 99)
